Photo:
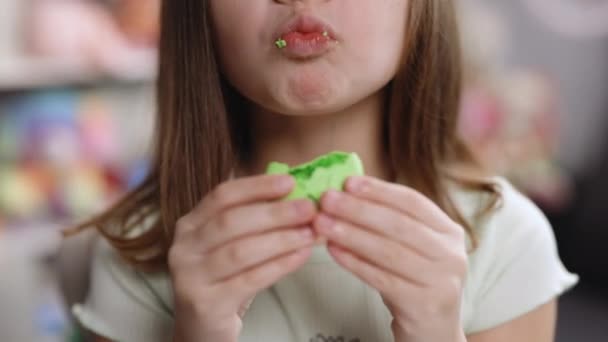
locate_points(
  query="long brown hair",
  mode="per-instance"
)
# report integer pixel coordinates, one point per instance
(198, 139)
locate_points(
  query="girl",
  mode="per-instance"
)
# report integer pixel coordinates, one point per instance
(417, 251)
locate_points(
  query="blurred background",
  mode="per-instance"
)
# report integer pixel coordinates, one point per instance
(76, 115)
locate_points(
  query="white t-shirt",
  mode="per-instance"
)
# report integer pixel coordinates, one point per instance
(514, 270)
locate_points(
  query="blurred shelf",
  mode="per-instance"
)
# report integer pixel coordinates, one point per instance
(30, 73)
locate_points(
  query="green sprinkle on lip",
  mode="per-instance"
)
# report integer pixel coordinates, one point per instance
(281, 43)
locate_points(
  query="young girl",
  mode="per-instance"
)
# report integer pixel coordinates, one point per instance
(418, 250)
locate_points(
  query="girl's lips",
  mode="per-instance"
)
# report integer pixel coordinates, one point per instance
(306, 45)
(306, 37)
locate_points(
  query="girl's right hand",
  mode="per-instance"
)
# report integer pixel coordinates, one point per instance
(238, 241)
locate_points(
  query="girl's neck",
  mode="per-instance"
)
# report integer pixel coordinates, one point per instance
(298, 139)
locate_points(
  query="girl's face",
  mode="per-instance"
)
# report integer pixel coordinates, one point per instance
(303, 57)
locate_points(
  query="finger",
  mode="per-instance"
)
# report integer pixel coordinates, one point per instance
(242, 255)
(386, 283)
(240, 222)
(382, 220)
(242, 191)
(399, 197)
(378, 250)
(250, 282)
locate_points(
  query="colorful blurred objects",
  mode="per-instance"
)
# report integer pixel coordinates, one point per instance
(509, 116)
(138, 19)
(59, 156)
(76, 117)
(117, 38)
(512, 128)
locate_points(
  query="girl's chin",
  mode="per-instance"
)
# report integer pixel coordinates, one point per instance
(290, 109)
(309, 90)
(296, 107)
(308, 112)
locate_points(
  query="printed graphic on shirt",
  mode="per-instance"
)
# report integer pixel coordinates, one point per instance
(322, 338)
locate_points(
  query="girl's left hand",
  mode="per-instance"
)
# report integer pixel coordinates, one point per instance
(402, 244)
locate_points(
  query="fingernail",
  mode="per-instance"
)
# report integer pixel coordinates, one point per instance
(306, 233)
(285, 183)
(303, 207)
(303, 253)
(357, 185)
(331, 197)
(325, 222)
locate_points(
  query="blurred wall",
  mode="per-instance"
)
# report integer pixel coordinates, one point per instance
(580, 67)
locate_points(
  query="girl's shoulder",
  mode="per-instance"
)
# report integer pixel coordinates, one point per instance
(515, 264)
(125, 304)
(511, 226)
(511, 208)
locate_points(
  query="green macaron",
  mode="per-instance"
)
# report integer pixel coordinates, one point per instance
(326, 172)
